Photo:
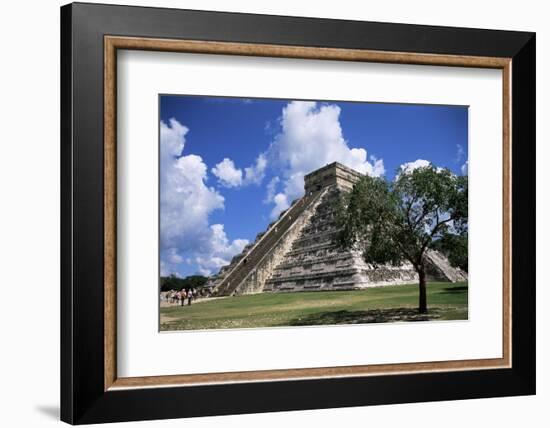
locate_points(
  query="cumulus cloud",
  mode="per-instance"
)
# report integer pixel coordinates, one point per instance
(281, 203)
(222, 250)
(271, 189)
(409, 167)
(255, 174)
(311, 137)
(464, 168)
(221, 245)
(186, 201)
(230, 176)
(227, 174)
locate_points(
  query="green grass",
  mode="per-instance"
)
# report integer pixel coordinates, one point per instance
(446, 301)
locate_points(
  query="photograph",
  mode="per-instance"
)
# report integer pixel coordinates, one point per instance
(293, 213)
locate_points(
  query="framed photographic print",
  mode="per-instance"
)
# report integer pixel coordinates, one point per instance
(266, 213)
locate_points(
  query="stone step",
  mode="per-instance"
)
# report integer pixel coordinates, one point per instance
(267, 242)
(443, 268)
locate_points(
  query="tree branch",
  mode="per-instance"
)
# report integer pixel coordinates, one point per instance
(435, 229)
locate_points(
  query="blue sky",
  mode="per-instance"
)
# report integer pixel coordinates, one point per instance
(230, 165)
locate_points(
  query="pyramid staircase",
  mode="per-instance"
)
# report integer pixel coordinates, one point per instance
(233, 279)
(439, 267)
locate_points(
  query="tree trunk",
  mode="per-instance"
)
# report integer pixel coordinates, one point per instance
(422, 303)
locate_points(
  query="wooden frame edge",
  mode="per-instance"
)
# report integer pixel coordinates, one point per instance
(112, 43)
(301, 52)
(507, 212)
(299, 374)
(110, 223)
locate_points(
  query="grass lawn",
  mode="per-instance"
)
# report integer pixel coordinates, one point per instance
(446, 301)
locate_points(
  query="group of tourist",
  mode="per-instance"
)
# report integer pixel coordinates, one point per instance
(179, 297)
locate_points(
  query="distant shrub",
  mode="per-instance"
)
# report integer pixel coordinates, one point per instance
(173, 282)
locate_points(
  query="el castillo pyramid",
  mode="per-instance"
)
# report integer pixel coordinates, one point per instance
(298, 251)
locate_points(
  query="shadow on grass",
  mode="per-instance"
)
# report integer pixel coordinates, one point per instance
(364, 317)
(459, 289)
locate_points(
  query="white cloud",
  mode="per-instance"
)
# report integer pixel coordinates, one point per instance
(459, 153)
(271, 189)
(185, 205)
(221, 252)
(172, 137)
(268, 127)
(464, 168)
(378, 166)
(222, 246)
(311, 137)
(255, 174)
(173, 256)
(409, 167)
(230, 176)
(227, 174)
(281, 203)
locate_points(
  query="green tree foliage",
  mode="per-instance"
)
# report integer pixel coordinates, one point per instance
(173, 282)
(391, 222)
(455, 247)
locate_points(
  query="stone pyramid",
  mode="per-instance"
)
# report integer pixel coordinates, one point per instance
(298, 252)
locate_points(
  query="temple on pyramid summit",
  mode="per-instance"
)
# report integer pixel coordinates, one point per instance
(298, 251)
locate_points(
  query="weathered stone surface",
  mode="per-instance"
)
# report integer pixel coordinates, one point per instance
(298, 252)
(259, 258)
(263, 270)
(315, 262)
(439, 267)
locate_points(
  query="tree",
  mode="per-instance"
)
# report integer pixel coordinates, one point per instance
(391, 222)
(168, 283)
(174, 282)
(455, 247)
